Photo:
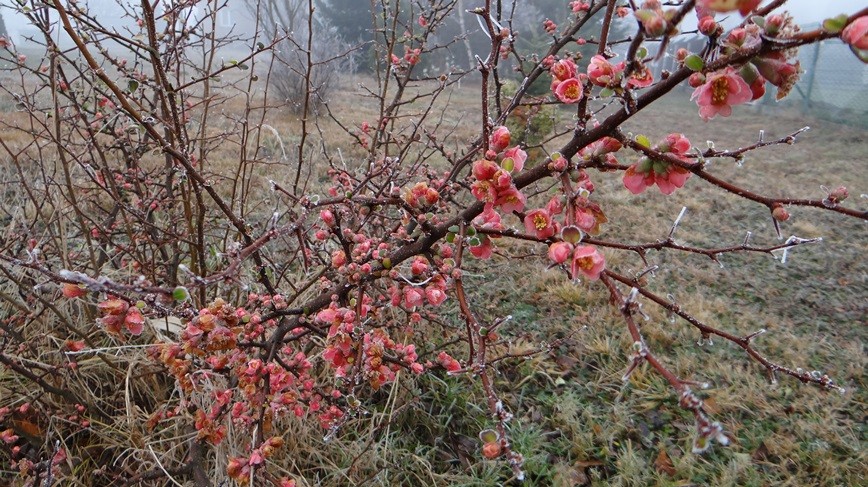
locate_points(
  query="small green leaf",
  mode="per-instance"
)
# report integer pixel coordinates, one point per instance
(454, 229)
(835, 24)
(180, 294)
(759, 20)
(470, 231)
(260, 46)
(694, 62)
(555, 156)
(450, 237)
(488, 436)
(642, 53)
(132, 86)
(474, 242)
(243, 67)
(643, 141)
(508, 164)
(387, 262)
(606, 92)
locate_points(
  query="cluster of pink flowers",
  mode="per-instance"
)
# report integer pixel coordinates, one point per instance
(666, 175)
(607, 75)
(566, 86)
(584, 259)
(117, 313)
(494, 183)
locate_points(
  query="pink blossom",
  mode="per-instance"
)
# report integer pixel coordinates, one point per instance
(413, 296)
(550, 26)
(563, 69)
(518, 157)
(641, 77)
(589, 261)
(435, 295)
(559, 252)
(569, 91)
(856, 34)
(539, 224)
(499, 138)
(483, 250)
(423, 22)
(720, 92)
(743, 6)
(134, 321)
(73, 290)
(603, 73)
(510, 200)
(667, 177)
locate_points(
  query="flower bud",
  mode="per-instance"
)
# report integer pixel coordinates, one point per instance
(780, 213)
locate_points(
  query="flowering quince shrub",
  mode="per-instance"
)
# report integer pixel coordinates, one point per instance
(235, 304)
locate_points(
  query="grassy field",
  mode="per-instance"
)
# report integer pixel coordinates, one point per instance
(575, 421)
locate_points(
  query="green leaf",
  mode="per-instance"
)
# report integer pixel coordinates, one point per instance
(835, 24)
(132, 86)
(508, 164)
(642, 53)
(606, 92)
(470, 231)
(243, 67)
(450, 237)
(454, 229)
(694, 62)
(474, 242)
(643, 141)
(180, 293)
(759, 20)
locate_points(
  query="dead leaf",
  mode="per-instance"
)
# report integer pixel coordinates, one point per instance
(663, 464)
(761, 454)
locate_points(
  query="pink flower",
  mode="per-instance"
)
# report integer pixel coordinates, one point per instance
(563, 69)
(134, 321)
(483, 250)
(640, 78)
(423, 22)
(73, 290)
(413, 297)
(510, 200)
(435, 295)
(856, 34)
(499, 139)
(579, 6)
(412, 56)
(744, 7)
(559, 252)
(720, 92)
(667, 176)
(539, 224)
(603, 73)
(569, 91)
(550, 26)
(589, 261)
(777, 71)
(518, 157)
